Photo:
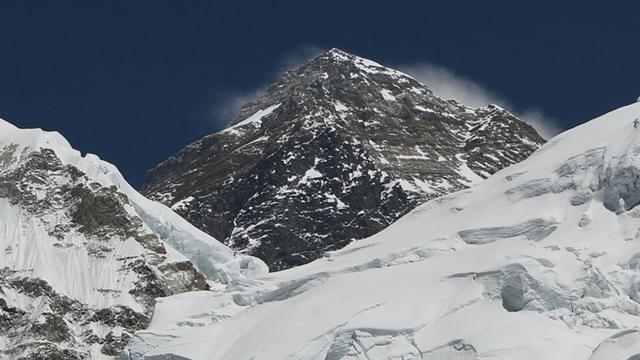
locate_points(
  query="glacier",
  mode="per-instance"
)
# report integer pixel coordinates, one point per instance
(540, 261)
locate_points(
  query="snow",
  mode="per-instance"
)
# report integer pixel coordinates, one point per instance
(386, 94)
(467, 173)
(334, 199)
(254, 120)
(182, 203)
(31, 137)
(311, 173)
(207, 253)
(40, 240)
(340, 106)
(365, 65)
(542, 284)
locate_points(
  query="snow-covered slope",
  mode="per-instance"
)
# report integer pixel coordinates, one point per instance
(540, 261)
(83, 255)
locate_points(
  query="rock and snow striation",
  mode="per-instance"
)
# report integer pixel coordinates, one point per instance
(83, 256)
(540, 261)
(335, 150)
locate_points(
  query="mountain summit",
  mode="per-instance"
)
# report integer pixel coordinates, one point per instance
(335, 150)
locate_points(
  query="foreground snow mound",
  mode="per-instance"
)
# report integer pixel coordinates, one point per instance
(541, 261)
(83, 256)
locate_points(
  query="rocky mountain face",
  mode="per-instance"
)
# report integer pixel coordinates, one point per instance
(83, 257)
(335, 150)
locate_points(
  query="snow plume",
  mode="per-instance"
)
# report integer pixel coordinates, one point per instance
(446, 84)
(226, 103)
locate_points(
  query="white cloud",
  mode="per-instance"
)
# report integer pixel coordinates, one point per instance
(446, 84)
(547, 127)
(227, 103)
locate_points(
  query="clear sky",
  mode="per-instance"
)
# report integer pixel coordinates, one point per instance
(134, 81)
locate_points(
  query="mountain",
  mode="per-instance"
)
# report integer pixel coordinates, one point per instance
(83, 256)
(335, 150)
(540, 261)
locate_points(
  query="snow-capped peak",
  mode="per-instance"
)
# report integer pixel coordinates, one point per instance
(83, 255)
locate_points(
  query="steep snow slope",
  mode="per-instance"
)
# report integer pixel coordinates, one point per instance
(335, 150)
(83, 255)
(541, 261)
(206, 252)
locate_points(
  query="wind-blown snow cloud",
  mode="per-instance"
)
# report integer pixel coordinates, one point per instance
(227, 103)
(446, 84)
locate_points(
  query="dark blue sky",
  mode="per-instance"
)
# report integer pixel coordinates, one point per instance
(134, 81)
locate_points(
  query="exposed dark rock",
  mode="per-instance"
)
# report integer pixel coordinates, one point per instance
(98, 210)
(32, 287)
(50, 334)
(113, 345)
(151, 242)
(9, 316)
(48, 351)
(189, 277)
(52, 327)
(120, 316)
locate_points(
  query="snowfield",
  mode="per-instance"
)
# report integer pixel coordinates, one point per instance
(540, 261)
